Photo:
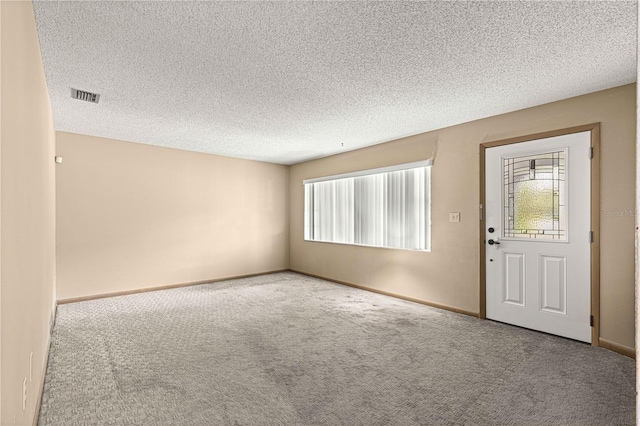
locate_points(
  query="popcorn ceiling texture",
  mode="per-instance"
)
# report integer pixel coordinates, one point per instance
(286, 82)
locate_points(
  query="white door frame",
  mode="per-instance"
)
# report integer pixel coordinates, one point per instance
(595, 217)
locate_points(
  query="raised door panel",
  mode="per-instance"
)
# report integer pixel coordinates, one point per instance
(553, 284)
(514, 279)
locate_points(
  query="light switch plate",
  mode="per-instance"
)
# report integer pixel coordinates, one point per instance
(454, 217)
(24, 394)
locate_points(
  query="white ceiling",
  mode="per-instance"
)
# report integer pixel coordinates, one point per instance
(286, 82)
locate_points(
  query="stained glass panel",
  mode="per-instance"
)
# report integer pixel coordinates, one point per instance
(535, 197)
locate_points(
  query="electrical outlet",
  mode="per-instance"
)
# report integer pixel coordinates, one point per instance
(31, 367)
(454, 217)
(24, 394)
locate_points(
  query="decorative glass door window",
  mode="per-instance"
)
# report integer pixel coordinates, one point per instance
(535, 197)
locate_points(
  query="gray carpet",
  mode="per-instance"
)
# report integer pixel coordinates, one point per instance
(286, 349)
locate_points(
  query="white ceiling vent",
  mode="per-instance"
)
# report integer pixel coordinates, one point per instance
(85, 96)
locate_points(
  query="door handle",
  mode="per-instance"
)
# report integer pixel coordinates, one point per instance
(492, 242)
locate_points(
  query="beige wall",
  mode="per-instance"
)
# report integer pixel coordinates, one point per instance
(134, 216)
(27, 211)
(448, 275)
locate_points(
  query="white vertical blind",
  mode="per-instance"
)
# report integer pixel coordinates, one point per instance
(387, 209)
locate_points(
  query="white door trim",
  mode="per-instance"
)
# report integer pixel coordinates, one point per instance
(595, 216)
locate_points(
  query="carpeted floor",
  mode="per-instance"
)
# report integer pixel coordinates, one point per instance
(286, 349)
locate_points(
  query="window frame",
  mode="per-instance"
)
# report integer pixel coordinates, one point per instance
(308, 210)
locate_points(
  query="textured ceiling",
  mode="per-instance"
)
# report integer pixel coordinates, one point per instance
(286, 82)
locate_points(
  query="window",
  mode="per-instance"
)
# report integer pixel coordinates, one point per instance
(534, 197)
(386, 207)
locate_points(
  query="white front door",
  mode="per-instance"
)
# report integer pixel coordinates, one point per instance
(538, 204)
